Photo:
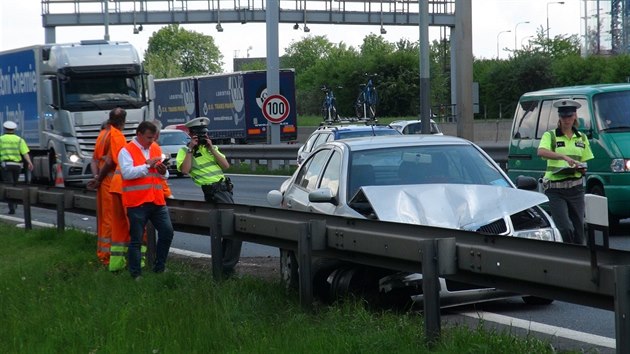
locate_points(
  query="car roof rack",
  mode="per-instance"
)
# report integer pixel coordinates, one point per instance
(348, 120)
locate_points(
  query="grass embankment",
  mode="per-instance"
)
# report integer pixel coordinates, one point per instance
(56, 298)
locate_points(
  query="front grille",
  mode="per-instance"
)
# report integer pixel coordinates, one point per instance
(87, 134)
(494, 228)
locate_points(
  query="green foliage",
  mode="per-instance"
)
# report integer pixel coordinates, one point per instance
(174, 51)
(56, 298)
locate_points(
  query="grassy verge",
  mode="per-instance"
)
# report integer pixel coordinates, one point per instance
(55, 298)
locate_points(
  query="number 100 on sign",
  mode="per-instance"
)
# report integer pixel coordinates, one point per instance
(276, 108)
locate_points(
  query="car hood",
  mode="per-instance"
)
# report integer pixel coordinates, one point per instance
(456, 206)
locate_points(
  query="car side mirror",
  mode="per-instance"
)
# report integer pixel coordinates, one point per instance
(322, 195)
(274, 198)
(527, 183)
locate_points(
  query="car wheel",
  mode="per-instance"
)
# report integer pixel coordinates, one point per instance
(289, 269)
(321, 268)
(535, 300)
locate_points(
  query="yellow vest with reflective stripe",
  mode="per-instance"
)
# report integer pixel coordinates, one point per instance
(12, 147)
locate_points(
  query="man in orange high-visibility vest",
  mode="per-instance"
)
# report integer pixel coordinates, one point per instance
(143, 173)
(102, 169)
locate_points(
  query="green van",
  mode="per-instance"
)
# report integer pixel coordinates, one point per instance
(604, 117)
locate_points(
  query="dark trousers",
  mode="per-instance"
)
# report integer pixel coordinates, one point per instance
(567, 210)
(11, 174)
(138, 218)
(231, 248)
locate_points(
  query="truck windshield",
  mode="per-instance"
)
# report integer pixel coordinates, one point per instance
(611, 110)
(97, 93)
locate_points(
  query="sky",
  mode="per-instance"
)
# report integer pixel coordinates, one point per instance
(21, 25)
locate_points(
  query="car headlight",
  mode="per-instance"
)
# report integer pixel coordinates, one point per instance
(620, 165)
(538, 234)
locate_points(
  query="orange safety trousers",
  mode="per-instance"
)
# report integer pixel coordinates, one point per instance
(120, 234)
(104, 221)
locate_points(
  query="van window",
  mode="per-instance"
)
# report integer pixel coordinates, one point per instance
(548, 118)
(525, 120)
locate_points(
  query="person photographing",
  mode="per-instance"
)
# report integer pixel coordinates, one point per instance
(205, 163)
(566, 151)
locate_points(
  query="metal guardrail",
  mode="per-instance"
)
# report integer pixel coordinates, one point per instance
(539, 268)
(287, 153)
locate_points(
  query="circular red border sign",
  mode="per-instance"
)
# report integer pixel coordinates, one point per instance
(276, 108)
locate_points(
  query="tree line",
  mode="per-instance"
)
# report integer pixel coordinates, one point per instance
(542, 63)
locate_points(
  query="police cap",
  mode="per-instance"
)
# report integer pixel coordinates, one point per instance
(9, 125)
(198, 124)
(566, 107)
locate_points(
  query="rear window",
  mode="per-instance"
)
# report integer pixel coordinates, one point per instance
(361, 133)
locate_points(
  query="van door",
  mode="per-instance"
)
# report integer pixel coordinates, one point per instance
(522, 154)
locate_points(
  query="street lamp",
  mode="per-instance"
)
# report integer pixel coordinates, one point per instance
(524, 38)
(551, 3)
(499, 34)
(515, 27)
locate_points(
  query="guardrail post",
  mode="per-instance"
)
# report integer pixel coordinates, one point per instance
(61, 216)
(305, 261)
(221, 226)
(216, 249)
(26, 203)
(311, 237)
(431, 290)
(622, 308)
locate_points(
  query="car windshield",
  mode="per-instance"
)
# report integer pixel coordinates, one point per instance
(611, 110)
(173, 138)
(455, 164)
(361, 133)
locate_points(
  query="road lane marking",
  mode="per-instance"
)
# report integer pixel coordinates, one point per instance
(543, 328)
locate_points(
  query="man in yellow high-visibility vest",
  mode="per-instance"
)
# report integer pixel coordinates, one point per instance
(12, 150)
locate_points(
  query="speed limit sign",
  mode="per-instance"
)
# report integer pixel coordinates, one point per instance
(276, 108)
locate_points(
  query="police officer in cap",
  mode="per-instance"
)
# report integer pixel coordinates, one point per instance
(566, 151)
(12, 150)
(205, 163)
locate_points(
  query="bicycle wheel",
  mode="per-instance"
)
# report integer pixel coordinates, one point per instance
(325, 111)
(359, 106)
(370, 111)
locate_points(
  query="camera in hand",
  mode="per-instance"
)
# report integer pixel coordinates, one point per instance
(202, 140)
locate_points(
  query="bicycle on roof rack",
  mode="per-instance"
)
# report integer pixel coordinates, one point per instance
(329, 106)
(366, 102)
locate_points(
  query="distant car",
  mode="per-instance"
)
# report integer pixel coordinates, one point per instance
(171, 141)
(414, 127)
(440, 181)
(335, 132)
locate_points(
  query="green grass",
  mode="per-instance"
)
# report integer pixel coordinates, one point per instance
(56, 298)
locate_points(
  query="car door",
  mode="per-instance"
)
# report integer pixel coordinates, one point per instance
(306, 180)
(331, 179)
